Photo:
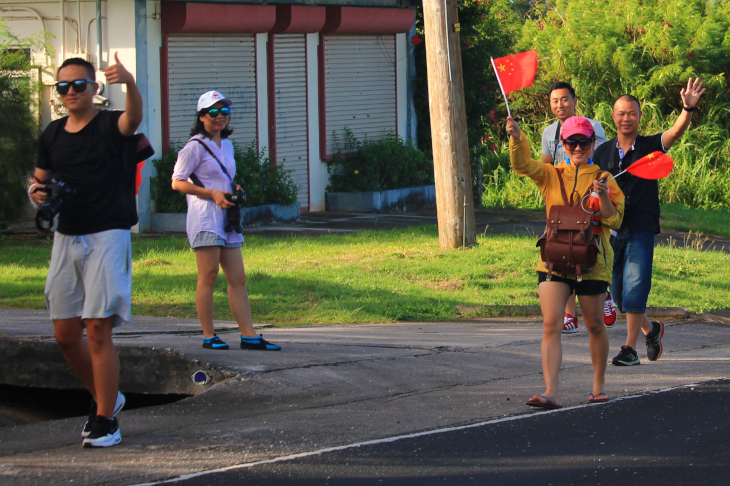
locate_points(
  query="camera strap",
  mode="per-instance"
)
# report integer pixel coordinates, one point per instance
(223, 167)
(557, 139)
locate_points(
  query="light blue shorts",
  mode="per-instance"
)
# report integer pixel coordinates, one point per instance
(91, 276)
(206, 238)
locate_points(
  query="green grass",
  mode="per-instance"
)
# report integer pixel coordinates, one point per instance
(708, 222)
(364, 277)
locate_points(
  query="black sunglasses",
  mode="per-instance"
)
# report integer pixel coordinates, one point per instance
(79, 85)
(225, 111)
(584, 143)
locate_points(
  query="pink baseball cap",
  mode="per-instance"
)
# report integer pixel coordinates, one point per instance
(210, 98)
(576, 125)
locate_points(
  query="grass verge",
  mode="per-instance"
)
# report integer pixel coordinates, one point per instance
(363, 277)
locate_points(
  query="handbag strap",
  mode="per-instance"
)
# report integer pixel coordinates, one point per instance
(216, 158)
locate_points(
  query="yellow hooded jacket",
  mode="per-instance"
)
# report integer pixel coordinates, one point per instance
(577, 180)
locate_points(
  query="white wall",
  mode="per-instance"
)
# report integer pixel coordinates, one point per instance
(318, 175)
(116, 37)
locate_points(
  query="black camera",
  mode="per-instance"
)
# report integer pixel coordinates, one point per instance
(233, 214)
(57, 192)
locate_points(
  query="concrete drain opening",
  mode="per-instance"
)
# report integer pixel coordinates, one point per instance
(36, 383)
(23, 405)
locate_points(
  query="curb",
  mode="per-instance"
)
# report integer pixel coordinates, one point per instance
(534, 310)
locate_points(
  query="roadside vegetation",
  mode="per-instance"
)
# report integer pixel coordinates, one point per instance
(398, 275)
(648, 48)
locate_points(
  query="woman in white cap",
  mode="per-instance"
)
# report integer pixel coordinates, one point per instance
(204, 171)
(578, 174)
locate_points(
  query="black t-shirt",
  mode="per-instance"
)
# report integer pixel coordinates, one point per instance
(642, 211)
(92, 162)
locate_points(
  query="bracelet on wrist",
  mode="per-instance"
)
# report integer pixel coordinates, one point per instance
(686, 108)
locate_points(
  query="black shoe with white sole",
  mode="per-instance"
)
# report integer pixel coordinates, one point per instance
(104, 433)
(627, 357)
(121, 400)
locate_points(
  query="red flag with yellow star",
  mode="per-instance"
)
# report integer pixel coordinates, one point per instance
(517, 71)
(654, 166)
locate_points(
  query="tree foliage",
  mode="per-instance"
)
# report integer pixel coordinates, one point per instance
(18, 126)
(648, 48)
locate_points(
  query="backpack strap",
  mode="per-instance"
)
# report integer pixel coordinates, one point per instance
(566, 201)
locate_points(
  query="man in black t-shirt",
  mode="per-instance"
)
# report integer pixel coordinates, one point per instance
(89, 284)
(634, 247)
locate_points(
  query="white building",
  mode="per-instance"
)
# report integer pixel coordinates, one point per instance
(296, 72)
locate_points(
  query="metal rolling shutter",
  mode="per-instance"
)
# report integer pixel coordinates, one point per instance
(200, 63)
(360, 86)
(290, 83)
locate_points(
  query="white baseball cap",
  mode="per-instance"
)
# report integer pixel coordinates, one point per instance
(211, 98)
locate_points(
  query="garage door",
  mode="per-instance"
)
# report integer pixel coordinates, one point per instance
(200, 63)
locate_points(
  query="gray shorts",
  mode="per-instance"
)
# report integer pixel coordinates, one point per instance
(208, 238)
(91, 276)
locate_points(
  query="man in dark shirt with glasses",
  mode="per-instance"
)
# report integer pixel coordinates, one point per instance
(89, 284)
(634, 247)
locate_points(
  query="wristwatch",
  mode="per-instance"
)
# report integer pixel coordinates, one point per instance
(685, 108)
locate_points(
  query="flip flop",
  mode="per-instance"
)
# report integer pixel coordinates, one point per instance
(547, 404)
(600, 398)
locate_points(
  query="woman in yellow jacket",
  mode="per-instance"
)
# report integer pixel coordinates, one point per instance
(579, 174)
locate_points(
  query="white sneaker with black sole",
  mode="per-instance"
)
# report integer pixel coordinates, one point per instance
(121, 400)
(104, 433)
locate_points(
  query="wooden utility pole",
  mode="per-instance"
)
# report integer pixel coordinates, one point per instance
(454, 198)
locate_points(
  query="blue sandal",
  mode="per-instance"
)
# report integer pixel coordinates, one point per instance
(547, 404)
(600, 398)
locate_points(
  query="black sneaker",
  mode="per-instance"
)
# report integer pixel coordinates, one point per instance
(104, 433)
(258, 343)
(121, 400)
(653, 340)
(627, 357)
(214, 343)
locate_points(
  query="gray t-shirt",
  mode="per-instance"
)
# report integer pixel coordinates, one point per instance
(548, 140)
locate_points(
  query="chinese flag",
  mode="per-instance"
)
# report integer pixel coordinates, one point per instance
(654, 166)
(518, 71)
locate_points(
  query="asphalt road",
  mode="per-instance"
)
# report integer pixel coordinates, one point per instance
(675, 437)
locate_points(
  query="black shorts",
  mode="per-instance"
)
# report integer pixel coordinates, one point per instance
(586, 287)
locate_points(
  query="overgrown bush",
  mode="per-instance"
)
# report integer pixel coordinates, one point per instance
(263, 181)
(377, 165)
(19, 128)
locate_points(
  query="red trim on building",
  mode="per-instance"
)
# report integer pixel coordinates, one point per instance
(215, 18)
(271, 95)
(165, 95)
(295, 19)
(368, 21)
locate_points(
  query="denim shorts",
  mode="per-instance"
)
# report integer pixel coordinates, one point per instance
(206, 238)
(632, 268)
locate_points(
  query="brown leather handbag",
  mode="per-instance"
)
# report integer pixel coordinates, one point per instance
(568, 245)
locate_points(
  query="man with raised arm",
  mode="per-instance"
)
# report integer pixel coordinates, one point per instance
(89, 284)
(634, 247)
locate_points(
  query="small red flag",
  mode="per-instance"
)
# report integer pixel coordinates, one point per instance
(517, 71)
(138, 178)
(654, 166)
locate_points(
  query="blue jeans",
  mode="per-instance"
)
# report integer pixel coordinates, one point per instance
(632, 269)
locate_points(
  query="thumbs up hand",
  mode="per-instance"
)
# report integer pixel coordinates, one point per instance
(117, 74)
